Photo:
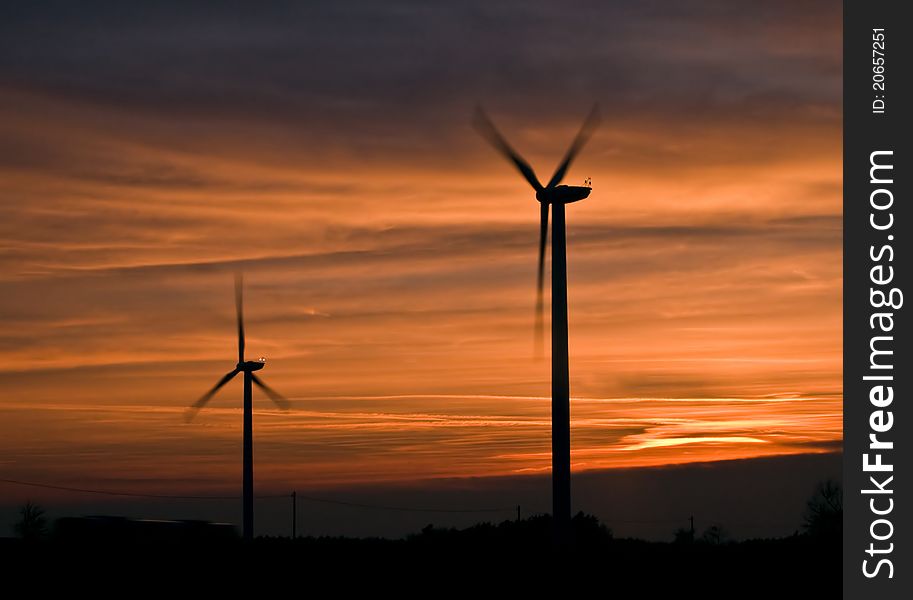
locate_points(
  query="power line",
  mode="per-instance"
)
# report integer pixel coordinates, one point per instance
(738, 522)
(113, 493)
(350, 504)
(306, 498)
(645, 521)
(407, 509)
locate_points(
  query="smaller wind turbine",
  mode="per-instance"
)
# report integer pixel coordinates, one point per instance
(247, 367)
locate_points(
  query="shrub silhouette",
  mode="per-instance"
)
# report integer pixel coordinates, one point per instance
(823, 515)
(32, 524)
(715, 535)
(683, 536)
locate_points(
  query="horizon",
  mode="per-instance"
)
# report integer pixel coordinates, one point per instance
(750, 498)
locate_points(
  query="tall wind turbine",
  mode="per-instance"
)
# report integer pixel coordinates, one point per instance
(247, 367)
(555, 195)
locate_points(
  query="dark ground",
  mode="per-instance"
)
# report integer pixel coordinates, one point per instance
(512, 552)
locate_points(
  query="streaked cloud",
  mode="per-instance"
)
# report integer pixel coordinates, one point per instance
(333, 440)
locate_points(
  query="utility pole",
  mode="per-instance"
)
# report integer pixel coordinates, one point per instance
(691, 518)
(518, 513)
(294, 515)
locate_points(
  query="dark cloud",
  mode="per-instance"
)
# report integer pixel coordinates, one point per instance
(667, 385)
(451, 244)
(371, 70)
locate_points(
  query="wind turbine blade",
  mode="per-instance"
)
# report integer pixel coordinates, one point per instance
(280, 400)
(239, 308)
(196, 406)
(543, 237)
(487, 129)
(586, 130)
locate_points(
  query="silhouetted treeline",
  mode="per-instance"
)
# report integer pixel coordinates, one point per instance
(805, 564)
(803, 561)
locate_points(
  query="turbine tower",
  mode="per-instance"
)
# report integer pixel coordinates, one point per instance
(247, 367)
(555, 195)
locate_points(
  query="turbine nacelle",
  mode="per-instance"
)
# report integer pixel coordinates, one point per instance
(563, 194)
(251, 365)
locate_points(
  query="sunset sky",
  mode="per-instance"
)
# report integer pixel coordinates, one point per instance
(148, 151)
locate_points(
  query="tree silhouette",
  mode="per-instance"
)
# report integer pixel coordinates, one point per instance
(824, 511)
(32, 524)
(683, 536)
(589, 531)
(715, 535)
